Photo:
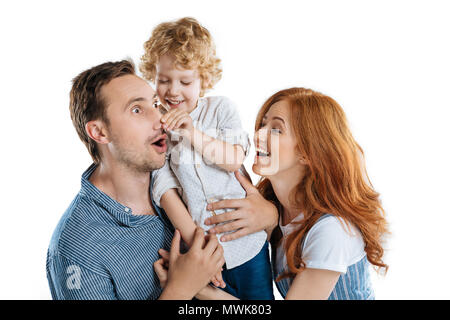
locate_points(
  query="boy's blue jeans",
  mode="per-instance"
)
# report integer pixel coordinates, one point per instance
(251, 280)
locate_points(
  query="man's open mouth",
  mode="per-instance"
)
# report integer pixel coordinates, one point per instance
(160, 143)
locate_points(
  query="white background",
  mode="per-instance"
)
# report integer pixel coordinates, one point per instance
(386, 63)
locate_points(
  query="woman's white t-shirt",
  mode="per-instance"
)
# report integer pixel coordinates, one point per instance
(330, 244)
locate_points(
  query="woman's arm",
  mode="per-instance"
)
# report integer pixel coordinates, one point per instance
(312, 284)
(252, 214)
(178, 214)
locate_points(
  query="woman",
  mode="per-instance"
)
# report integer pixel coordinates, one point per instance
(331, 220)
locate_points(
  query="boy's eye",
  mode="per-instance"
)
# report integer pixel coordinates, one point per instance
(163, 81)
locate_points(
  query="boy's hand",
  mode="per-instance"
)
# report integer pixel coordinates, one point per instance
(177, 119)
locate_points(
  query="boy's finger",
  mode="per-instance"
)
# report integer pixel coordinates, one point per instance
(167, 115)
(176, 121)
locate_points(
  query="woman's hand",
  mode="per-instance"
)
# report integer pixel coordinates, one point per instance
(252, 214)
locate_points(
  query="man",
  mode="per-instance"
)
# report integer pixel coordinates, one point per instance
(107, 241)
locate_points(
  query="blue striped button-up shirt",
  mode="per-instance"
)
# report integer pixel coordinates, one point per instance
(100, 250)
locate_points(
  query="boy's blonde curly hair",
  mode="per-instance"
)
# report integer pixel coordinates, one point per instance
(190, 44)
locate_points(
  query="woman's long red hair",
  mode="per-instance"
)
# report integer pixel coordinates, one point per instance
(335, 179)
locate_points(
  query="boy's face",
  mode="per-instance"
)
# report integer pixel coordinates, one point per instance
(177, 87)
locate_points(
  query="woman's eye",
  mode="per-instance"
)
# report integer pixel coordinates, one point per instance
(136, 110)
(277, 131)
(185, 83)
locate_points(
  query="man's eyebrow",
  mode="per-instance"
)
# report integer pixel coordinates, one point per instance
(132, 100)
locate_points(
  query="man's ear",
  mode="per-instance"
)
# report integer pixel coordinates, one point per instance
(96, 130)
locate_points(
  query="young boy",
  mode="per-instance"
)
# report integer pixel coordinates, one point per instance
(206, 145)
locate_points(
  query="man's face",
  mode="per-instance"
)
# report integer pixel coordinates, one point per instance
(134, 131)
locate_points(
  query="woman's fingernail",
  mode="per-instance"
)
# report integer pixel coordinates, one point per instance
(212, 231)
(208, 207)
(207, 221)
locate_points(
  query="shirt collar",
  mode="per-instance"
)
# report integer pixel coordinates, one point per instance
(117, 210)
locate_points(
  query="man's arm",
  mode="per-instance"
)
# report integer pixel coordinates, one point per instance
(71, 281)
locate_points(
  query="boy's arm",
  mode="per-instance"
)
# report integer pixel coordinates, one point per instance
(178, 214)
(225, 155)
(225, 152)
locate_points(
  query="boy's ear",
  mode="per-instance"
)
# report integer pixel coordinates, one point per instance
(96, 130)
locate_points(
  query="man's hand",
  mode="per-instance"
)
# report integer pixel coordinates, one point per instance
(252, 214)
(189, 273)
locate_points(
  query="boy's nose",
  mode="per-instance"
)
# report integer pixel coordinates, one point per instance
(174, 89)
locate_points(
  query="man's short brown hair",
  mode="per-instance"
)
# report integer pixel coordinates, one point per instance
(86, 102)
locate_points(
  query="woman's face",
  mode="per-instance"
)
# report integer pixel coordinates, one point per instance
(276, 145)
